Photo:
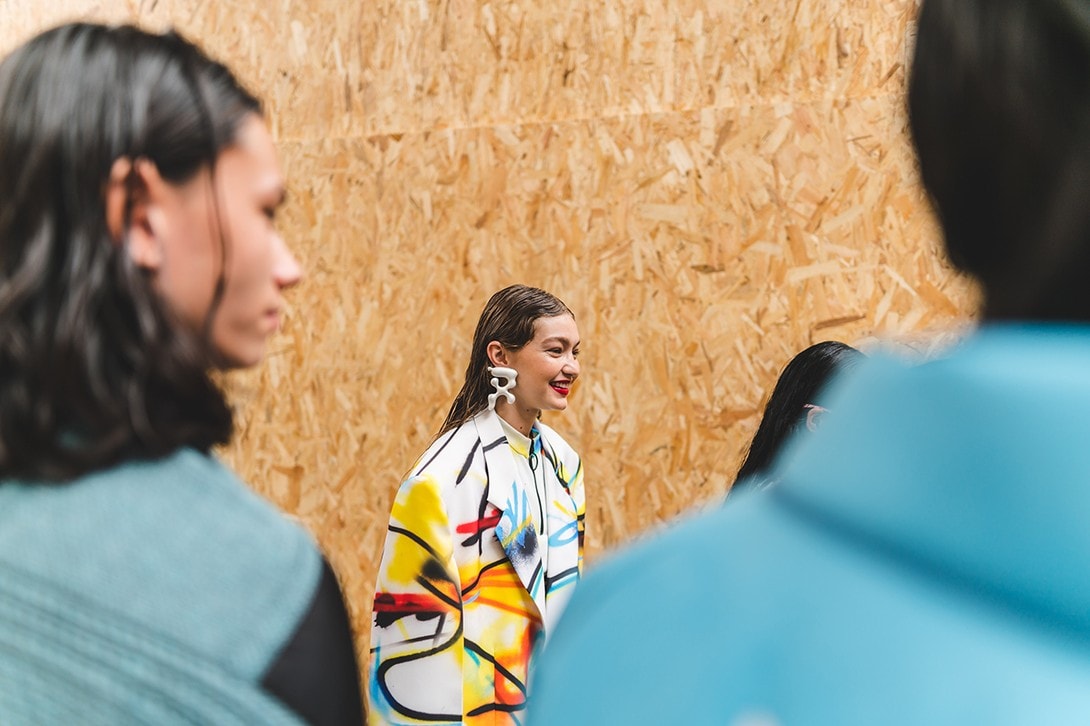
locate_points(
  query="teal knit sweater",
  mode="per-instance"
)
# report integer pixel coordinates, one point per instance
(155, 592)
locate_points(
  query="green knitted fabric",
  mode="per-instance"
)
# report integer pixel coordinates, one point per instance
(156, 592)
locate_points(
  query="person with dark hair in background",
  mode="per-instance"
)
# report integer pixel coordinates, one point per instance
(923, 558)
(485, 543)
(140, 581)
(793, 405)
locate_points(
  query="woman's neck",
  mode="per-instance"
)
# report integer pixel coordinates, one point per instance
(519, 418)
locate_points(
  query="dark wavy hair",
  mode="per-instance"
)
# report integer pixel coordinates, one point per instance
(999, 108)
(800, 383)
(93, 368)
(508, 318)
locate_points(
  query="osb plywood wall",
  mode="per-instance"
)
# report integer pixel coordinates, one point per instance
(711, 185)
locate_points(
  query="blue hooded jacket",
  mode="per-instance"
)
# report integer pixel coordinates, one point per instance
(924, 560)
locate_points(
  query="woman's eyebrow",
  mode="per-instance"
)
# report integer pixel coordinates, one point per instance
(560, 339)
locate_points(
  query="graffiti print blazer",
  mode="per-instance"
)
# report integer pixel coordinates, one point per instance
(461, 591)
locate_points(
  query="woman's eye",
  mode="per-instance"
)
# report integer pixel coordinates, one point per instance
(270, 213)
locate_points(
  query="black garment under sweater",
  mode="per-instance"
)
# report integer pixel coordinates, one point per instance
(328, 695)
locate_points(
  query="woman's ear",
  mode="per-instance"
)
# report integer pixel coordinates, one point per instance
(130, 193)
(117, 198)
(497, 354)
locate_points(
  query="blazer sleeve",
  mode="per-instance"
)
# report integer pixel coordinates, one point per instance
(417, 632)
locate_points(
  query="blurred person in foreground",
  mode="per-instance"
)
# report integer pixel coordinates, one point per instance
(924, 558)
(140, 581)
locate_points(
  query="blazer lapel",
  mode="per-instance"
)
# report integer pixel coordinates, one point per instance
(516, 531)
(565, 544)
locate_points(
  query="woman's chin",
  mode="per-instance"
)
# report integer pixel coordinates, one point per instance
(238, 357)
(561, 404)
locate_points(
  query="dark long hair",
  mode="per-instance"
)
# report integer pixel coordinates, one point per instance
(508, 318)
(93, 368)
(999, 106)
(800, 383)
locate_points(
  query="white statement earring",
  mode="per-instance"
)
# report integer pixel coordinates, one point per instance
(509, 375)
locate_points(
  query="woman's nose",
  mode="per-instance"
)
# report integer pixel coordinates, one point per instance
(287, 271)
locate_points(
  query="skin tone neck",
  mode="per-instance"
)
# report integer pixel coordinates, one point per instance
(521, 418)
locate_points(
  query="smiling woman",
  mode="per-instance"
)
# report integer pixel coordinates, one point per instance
(545, 369)
(485, 543)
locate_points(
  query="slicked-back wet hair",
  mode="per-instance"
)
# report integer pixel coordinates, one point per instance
(508, 318)
(93, 369)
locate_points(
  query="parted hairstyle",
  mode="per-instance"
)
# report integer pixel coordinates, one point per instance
(93, 367)
(802, 381)
(999, 107)
(507, 318)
